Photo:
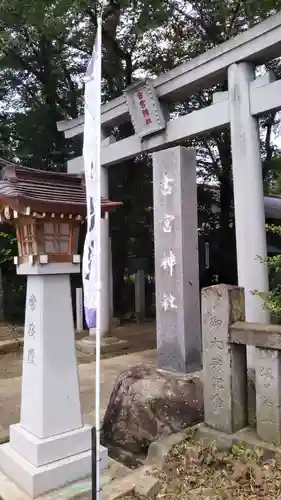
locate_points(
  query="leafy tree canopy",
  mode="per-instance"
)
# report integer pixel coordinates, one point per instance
(44, 49)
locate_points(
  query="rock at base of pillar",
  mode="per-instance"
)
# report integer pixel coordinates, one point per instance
(36, 481)
(132, 422)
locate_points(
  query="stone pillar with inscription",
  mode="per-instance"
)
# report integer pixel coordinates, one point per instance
(268, 394)
(176, 260)
(50, 446)
(224, 364)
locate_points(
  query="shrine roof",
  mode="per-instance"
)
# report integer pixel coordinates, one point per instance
(51, 192)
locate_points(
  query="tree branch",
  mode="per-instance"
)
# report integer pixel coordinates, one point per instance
(111, 19)
(268, 148)
(234, 16)
(215, 37)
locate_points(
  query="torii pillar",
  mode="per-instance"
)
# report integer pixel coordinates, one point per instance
(249, 207)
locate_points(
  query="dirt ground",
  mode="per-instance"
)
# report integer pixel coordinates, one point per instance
(140, 338)
(10, 388)
(141, 343)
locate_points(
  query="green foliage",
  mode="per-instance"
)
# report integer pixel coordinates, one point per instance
(8, 247)
(272, 299)
(44, 49)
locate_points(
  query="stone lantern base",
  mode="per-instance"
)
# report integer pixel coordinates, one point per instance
(36, 481)
(50, 447)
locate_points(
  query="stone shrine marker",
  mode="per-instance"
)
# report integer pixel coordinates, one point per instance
(50, 446)
(176, 260)
(225, 338)
(224, 367)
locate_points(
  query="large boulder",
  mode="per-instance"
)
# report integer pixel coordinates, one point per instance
(146, 405)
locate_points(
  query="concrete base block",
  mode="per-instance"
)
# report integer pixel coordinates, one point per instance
(36, 481)
(44, 451)
(77, 490)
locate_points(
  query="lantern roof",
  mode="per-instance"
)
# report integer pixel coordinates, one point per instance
(44, 191)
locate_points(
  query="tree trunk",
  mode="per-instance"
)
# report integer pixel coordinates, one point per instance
(227, 244)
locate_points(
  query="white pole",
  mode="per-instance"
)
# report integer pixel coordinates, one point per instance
(92, 248)
(99, 284)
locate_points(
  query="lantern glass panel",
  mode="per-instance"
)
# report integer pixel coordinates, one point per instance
(64, 246)
(56, 237)
(27, 237)
(64, 229)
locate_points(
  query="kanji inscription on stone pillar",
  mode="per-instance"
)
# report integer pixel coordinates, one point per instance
(224, 364)
(176, 260)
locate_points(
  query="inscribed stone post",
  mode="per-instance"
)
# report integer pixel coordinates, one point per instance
(268, 395)
(224, 364)
(176, 260)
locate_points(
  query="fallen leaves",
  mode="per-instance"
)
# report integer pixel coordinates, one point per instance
(195, 471)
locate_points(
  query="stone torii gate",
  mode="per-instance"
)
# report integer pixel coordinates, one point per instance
(247, 98)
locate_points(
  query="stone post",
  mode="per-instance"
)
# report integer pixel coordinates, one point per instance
(268, 394)
(50, 447)
(111, 280)
(140, 295)
(176, 260)
(224, 364)
(79, 310)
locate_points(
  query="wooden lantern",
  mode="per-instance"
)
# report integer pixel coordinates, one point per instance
(47, 210)
(50, 236)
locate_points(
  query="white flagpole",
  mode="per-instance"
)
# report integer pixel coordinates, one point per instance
(92, 248)
(99, 284)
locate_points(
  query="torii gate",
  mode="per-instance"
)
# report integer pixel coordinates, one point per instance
(247, 99)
